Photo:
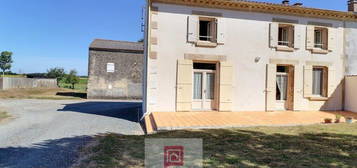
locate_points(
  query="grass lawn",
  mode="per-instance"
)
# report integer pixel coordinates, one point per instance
(42, 93)
(303, 146)
(81, 86)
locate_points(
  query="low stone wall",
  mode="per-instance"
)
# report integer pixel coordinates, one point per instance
(351, 93)
(12, 83)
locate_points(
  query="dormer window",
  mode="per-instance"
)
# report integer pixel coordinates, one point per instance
(286, 35)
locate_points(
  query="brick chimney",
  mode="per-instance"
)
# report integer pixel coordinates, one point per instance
(352, 6)
(285, 2)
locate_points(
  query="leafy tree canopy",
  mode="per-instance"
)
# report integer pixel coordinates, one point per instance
(57, 73)
(5, 61)
(72, 78)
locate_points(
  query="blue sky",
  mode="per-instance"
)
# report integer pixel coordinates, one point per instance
(49, 33)
(56, 33)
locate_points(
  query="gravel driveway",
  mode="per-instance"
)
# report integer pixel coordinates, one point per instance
(48, 133)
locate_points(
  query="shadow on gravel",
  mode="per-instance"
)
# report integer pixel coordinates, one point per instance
(73, 94)
(60, 153)
(131, 111)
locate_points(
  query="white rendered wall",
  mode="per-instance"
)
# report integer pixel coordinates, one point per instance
(351, 94)
(247, 37)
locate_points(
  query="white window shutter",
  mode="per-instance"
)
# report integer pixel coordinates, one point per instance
(310, 37)
(271, 87)
(297, 37)
(192, 32)
(274, 34)
(331, 39)
(331, 81)
(308, 80)
(225, 86)
(184, 85)
(221, 31)
(298, 92)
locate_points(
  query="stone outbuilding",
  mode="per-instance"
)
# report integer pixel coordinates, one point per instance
(115, 70)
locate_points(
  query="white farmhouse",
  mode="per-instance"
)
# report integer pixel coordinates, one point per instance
(235, 55)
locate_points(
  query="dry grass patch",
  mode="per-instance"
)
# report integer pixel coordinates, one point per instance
(3, 115)
(42, 93)
(276, 147)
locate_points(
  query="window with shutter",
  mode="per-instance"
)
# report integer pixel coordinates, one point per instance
(297, 36)
(221, 30)
(286, 35)
(321, 38)
(319, 81)
(331, 42)
(207, 29)
(274, 33)
(310, 37)
(192, 34)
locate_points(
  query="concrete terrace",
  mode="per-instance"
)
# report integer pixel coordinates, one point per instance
(161, 121)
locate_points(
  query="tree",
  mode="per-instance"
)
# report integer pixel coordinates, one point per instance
(5, 61)
(141, 40)
(57, 73)
(72, 78)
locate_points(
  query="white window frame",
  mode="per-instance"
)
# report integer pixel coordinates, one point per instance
(323, 82)
(110, 67)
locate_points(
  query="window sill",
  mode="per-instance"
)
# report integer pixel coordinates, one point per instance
(206, 44)
(284, 48)
(318, 98)
(319, 51)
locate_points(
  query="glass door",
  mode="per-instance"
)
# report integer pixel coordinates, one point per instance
(197, 90)
(203, 90)
(208, 103)
(281, 90)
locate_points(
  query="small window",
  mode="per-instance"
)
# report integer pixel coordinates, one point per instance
(286, 35)
(110, 67)
(319, 81)
(207, 29)
(320, 38)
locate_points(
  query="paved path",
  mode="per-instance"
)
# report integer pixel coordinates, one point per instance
(47, 133)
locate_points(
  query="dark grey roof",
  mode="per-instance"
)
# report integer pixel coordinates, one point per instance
(111, 45)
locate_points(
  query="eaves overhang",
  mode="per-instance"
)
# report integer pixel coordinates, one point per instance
(262, 7)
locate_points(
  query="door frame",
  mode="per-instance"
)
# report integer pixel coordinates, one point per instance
(216, 85)
(289, 103)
